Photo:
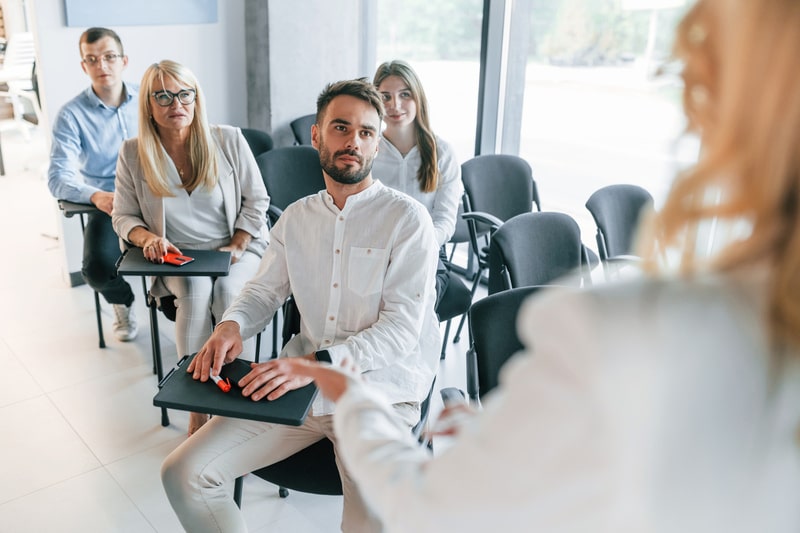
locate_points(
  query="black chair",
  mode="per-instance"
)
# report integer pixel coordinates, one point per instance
(494, 338)
(289, 173)
(312, 469)
(497, 187)
(456, 301)
(616, 210)
(461, 236)
(301, 128)
(459, 298)
(258, 141)
(536, 249)
(70, 209)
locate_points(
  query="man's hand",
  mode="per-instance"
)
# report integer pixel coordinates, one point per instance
(276, 377)
(224, 345)
(104, 201)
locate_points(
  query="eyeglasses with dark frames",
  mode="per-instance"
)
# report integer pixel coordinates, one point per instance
(164, 98)
(110, 59)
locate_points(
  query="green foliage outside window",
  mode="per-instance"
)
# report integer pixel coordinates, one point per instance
(563, 32)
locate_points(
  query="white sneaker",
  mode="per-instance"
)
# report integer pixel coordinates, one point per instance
(125, 326)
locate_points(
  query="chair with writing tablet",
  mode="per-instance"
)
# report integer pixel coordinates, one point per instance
(312, 469)
(70, 209)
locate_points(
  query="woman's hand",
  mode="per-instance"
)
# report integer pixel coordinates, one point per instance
(154, 248)
(235, 251)
(332, 381)
(238, 245)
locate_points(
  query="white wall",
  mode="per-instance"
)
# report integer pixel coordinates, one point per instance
(214, 52)
(311, 44)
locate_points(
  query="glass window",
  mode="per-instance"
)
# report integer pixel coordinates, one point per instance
(441, 40)
(601, 105)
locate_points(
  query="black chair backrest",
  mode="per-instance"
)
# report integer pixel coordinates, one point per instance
(461, 233)
(616, 210)
(301, 128)
(290, 173)
(534, 249)
(499, 184)
(493, 322)
(259, 141)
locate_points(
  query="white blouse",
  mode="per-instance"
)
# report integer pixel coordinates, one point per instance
(400, 173)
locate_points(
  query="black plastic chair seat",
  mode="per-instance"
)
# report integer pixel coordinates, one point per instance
(312, 469)
(456, 300)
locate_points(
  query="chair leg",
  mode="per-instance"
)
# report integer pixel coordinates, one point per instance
(238, 485)
(99, 320)
(472, 376)
(155, 341)
(444, 339)
(275, 336)
(258, 347)
(457, 337)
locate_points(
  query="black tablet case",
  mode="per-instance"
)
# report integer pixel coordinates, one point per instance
(206, 263)
(178, 390)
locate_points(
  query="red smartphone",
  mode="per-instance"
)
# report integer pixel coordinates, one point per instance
(177, 259)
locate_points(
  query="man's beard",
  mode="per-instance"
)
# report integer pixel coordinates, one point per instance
(347, 175)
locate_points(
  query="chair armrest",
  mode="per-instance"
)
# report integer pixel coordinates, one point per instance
(484, 218)
(452, 396)
(624, 259)
(274, 213)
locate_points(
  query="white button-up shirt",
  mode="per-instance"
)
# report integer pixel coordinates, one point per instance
(398, 172)
(363, 280)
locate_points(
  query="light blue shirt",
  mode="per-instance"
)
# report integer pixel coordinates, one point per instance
(86, 138)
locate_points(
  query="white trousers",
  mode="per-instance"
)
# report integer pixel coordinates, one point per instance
(198, 298)
(198, 474)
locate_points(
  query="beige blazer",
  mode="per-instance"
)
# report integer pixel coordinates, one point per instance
(244, 195)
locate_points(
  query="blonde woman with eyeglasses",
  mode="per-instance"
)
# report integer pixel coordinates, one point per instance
(186, 184)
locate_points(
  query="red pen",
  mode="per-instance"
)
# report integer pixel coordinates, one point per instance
(224, 385)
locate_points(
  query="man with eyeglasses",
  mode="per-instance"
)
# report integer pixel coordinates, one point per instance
(87, 134)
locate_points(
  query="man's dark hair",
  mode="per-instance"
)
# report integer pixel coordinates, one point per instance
(361, 88)
(92, 35)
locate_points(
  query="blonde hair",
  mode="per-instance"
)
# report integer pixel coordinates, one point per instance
(202, 146)
(741, 95)
(428, 173)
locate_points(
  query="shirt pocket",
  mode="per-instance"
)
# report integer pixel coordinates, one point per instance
(366, 270)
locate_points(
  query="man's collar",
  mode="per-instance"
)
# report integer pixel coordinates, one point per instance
(129, 92)
(361, 196)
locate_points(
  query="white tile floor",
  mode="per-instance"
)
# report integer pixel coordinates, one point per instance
(81, 442)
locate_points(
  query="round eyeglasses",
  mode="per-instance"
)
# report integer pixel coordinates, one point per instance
(164, 98)
(110, 59)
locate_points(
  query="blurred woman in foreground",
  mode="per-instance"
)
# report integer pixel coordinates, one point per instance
(668, 403)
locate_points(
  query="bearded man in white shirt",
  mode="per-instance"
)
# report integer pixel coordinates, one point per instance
(360, 261)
